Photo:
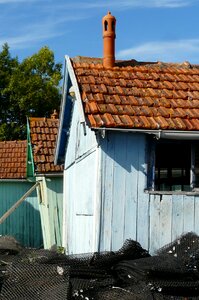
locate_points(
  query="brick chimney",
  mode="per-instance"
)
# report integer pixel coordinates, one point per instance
(109, 24)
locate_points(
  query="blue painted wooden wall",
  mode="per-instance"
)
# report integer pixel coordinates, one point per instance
(125, 206)
(24, 223)
(128, 211)
(105, 201)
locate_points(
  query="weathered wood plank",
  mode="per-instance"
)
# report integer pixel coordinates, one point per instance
(16, 204)
(108, 152)
(69, 210)
(83, 234)
(85, 185)
(177, 216)
(196, 215)
(119, 192)
(188, 213)
(131, 202)
(154, 234)
(18, 224)
(165, 220)
(142, 197)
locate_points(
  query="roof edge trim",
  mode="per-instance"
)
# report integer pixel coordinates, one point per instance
(61, 117)
(49, 174)
(30, 168)
(164, 134)
(76, 88)
(66, 110)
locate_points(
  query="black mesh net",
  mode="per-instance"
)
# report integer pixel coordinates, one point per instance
(129, 273)
(34, 281)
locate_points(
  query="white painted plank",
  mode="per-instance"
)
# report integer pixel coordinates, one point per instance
(177, 216)
(131, 189)
(71, 148)
(165, 220)
(188, 213)
(68, 209)
(196, 215)
(78, 143)
(107, 192)
(85, 179)
(83, 237)
(97, 202)
(143, 198)
(120, 169)
(154, 243)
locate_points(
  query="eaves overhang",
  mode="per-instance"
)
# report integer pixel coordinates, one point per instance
(164, 134)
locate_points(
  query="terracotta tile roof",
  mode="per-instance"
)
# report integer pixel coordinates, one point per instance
(43, 133)
(139, 95)
(13, 159)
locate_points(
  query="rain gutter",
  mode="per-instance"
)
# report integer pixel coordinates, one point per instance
(163, 134)
(51, 175)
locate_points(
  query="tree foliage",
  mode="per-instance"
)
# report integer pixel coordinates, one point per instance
(27, 88)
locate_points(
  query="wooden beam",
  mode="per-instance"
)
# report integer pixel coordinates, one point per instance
(12, 209)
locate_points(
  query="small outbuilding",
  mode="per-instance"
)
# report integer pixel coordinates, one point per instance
(42, 134)
(129, 142)
(24, 223)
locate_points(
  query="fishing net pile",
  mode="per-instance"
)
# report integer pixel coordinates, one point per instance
(129, 273)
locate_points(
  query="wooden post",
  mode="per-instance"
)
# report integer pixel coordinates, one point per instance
(10, 211)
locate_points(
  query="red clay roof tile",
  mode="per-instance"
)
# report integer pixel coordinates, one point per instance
(139, 95)
(13, 159)
(43, 133)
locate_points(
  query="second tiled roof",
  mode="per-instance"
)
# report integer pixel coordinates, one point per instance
(43, 133)
(146, 95)
(13, 159)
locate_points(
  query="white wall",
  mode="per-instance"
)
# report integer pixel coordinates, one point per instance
(81, 195)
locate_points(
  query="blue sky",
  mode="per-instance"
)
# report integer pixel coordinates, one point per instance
(147, 30)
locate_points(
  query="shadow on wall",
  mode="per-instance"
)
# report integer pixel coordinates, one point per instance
(126, 150)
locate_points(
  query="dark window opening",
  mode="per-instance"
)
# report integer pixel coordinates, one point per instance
(113, 25)
(174, 165)
(105, 25)
(172, 170)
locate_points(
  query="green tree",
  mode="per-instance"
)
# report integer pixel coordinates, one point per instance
(29, 88)
(8, 66)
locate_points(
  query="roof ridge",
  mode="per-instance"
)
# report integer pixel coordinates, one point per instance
(44, 119)
(133, 62)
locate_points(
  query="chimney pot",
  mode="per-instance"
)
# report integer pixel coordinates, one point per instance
(54, 115)
(109, 24)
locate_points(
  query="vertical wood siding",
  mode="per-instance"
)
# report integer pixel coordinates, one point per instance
(51, 209)
(124, 203)
(80, 195)
(81, 189)
(171, 216)
(127, 210)
(24, 223)
(104, 188)
(78, 144)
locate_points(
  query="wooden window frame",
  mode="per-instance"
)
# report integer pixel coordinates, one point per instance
(152, 183)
